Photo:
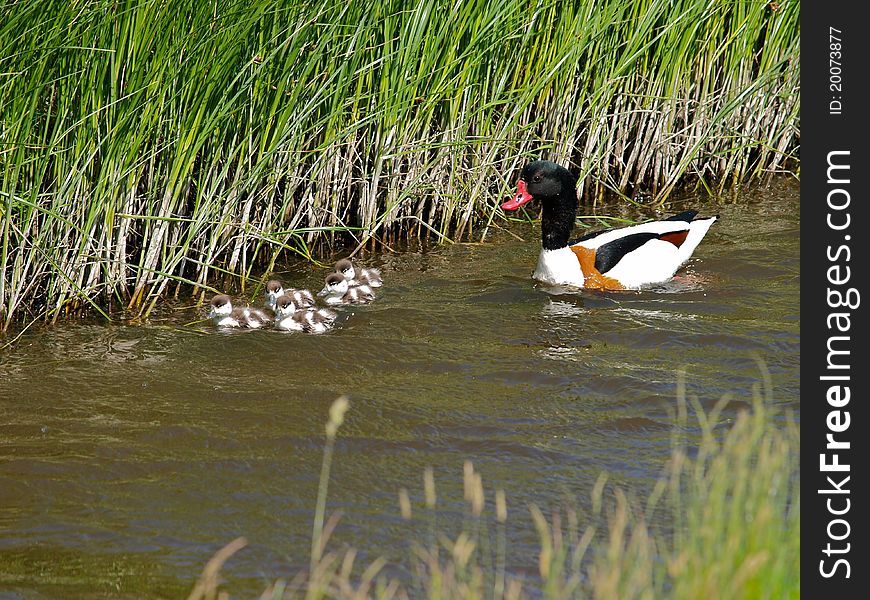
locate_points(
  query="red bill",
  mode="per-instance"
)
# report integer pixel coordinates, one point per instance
(520, 198)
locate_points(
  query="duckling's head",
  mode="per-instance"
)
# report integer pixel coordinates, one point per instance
(284, 306)
(336, 284)
(274, 289)
(345, 267)
(221, 305)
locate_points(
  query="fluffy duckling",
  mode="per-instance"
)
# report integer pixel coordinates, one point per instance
(274, 290)
(339, 291)
(358, 275)
(225, 315)
(301, 298)
(294, 318)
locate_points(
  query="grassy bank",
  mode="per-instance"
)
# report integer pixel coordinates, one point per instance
(146, 144)
(723, 521)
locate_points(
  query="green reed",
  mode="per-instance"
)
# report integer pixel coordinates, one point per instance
(146, 144)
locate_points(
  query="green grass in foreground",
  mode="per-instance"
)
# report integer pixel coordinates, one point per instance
(733, 502)
(151, 144)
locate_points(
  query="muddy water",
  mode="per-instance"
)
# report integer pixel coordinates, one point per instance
(130, 453)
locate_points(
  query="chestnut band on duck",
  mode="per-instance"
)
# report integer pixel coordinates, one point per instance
(626, 257)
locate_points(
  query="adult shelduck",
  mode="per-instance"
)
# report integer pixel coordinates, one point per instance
(612, 259)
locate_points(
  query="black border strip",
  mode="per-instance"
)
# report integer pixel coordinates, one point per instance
(834, 264)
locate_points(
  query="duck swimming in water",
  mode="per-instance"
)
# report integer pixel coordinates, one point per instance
(358, 275)
(291, 317)
(612, 259)
(225, 315)
(275, 289)
(337, 290)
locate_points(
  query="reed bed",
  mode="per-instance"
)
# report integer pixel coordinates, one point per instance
(153, 145)
(723, 521)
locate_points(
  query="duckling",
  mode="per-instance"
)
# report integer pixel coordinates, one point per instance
(256, 317)
(301, 298)
(274, 290)
(295, 318)
(339, 291)
(225, 315)
(358, 276)
(318, 320)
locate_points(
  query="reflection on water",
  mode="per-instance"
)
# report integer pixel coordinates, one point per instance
(130, 453)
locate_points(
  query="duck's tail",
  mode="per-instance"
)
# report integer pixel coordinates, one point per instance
(698, 228)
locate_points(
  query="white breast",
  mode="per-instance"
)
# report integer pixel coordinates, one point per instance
(559, 267)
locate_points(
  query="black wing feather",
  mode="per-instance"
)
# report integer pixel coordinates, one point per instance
(607, 255)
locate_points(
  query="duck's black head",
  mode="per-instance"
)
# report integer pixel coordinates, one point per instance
(556, 188)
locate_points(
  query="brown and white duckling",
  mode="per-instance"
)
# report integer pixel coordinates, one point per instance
(358, 275)
(225, 315)
(274, 290)
(339, 291)
(301, 298)
(256, 317)
(308, 319)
